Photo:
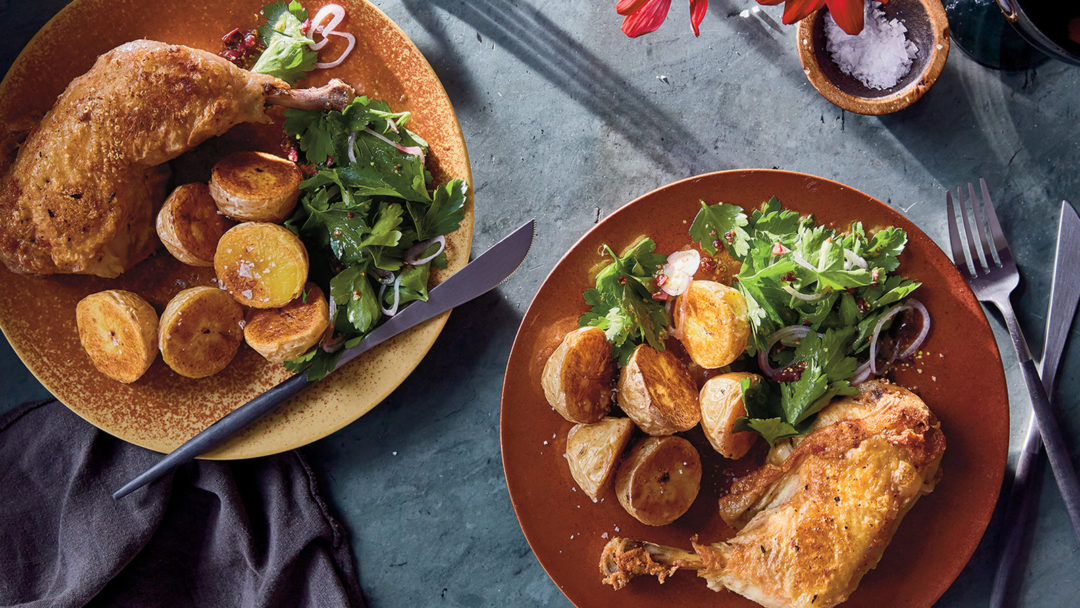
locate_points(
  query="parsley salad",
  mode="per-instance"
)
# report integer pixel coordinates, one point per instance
(372, 220)
(826, 308)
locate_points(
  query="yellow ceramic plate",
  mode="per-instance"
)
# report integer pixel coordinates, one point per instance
(162, 409)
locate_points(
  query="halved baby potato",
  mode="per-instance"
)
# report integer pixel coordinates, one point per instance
(255, 186)
(190, 226)
(119, 332)
(659, 480)
(721, 405)
(262, 265)
(577, 377)
(657, 392)
(200, 331)
(283, 333)
(713, 323)
(593, 449)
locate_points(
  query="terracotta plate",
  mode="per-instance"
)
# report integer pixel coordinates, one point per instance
(960, 377)
(162, 409)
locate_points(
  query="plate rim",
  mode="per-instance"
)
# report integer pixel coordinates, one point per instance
(516, 348)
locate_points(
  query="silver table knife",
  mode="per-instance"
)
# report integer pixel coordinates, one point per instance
(477, 278)
(1024, 496)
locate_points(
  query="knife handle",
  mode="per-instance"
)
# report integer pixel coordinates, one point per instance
(1019, 520)
(1056, 449)
(217, 433)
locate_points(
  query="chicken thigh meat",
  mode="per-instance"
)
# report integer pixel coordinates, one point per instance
(81, 194)
(819, 513)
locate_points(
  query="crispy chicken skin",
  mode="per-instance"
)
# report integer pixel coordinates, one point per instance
(82, 193)
(818, 515)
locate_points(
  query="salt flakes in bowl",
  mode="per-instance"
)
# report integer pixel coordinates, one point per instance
(895, 59)
(879, 56)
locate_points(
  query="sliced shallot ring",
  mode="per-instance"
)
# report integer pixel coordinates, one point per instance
(331, 344)
(854, 259)
(914, 304)
(801, 261)
(679, 278)
(414, 150)
(895, 310)
(785, 334)
(385, 276)
(336, 12)
(348, 49)
(393, 310)
(861, 374)
(813, 297)
(421, 247)
(352, 147)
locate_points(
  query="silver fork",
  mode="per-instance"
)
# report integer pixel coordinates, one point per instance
(990, 270)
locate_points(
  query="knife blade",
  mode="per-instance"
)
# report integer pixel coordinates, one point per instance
(1024, 496)
(478, 277)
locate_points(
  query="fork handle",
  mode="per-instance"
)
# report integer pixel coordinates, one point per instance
(1057, 451)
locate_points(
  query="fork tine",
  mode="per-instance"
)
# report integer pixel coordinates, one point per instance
(959, 254)
(975, 254)
(1001, 244)
(979, 219)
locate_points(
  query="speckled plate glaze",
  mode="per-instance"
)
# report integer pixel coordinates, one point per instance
(960, 377)
(162, 409)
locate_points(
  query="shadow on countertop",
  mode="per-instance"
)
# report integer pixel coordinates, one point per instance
(546, 48)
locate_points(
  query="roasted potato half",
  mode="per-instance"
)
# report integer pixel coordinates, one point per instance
(657, 392)
(283, 333)
(711, 320)
(592, 451)
(659, 480)
(255, 186)
(262, 265)
(577, 377)
(190, 226)
(200, 331)
(721, 405)
(119, 332)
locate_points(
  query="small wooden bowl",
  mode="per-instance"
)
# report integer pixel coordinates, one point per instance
(927, 27)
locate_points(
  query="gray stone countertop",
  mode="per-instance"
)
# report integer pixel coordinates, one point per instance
(566, 120)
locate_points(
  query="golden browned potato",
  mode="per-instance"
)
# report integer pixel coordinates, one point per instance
(593, 449)
(255, 186)
(712, 319)
(657, 392)
(118, 330)
(200, 331)
(189, 225)
(659, 480)
(262, 265)
(283, 333)
(577, 377)
(721, 405)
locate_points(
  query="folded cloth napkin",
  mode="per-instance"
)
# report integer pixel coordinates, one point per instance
(245, 533)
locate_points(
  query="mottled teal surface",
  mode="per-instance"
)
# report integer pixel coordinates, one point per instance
(566, 119)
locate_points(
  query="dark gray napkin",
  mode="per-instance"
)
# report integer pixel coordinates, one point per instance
(246, 533)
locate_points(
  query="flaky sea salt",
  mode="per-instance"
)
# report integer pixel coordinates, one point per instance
(879, 56)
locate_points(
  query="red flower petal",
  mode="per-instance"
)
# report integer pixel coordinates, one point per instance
(771, 2)
(848, 14)
(796, 10)
(646, 18)
(625, 7)
(697, 13)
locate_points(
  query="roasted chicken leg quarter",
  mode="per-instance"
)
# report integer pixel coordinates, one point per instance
(819, 513)
(81, 195)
